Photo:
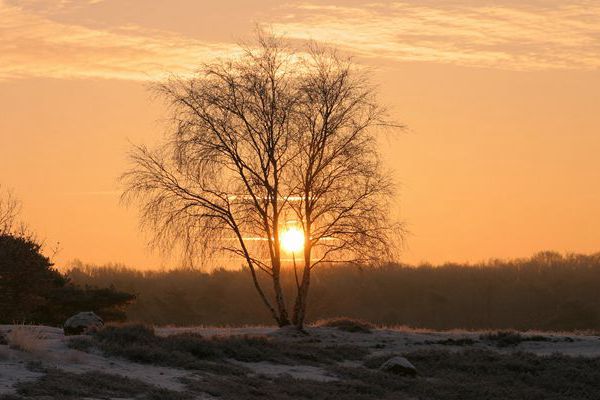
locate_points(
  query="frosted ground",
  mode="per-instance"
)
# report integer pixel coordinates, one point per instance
(37, 352)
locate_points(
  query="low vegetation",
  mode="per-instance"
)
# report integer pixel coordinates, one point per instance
(467, 375)
(453, 342)
(346, 324)
(217, 369)
(512, 338)
(139, 343)
(57, 384)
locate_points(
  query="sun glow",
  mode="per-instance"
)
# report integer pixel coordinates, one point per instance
(292, 239)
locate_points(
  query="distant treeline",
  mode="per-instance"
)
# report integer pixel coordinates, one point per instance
(548, 291)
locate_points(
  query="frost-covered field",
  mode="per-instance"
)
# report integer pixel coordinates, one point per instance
(266, 362)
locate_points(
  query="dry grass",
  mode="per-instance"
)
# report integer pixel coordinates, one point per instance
(27, 339)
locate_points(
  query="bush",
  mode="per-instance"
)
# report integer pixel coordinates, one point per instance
(32, 291)
(27, 278)
(346, 324)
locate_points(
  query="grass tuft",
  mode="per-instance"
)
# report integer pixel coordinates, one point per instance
(27, 339)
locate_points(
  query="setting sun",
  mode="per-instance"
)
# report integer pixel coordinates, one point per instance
(292, 240)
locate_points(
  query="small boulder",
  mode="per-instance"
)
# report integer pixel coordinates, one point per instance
(399, 366)
(82, 323)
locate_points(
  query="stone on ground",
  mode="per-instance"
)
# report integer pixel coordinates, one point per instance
(82, 323)
(399, 365)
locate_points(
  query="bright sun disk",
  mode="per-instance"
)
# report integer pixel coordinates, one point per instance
(292, 240)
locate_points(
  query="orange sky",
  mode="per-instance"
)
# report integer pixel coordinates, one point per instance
(502, 101)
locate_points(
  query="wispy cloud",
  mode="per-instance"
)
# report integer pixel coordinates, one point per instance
(508, 37)
(32, 45)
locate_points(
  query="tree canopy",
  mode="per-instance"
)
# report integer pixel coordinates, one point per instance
(272, 141)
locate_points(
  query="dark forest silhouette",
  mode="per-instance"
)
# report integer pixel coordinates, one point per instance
(547, 291)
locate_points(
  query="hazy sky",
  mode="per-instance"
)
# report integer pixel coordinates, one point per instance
(502, 101)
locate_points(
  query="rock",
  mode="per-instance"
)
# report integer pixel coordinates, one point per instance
(82, 323)
(398, 365)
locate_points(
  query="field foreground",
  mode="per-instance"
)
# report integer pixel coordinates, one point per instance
(139, 362)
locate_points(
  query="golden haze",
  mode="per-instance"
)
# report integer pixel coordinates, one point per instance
(500, 158)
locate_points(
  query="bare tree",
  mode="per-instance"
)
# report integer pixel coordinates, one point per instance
(343, 196)
(258, 142)
(10, 207)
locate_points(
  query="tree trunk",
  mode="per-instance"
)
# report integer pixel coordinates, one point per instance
(276, 265)
(279, 315)
(301, 300)
(283, 319)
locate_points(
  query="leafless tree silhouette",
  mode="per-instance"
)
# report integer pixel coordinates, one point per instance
(10, 208)
(259, 141)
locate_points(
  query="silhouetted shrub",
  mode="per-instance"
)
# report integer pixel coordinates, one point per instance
(32, 291)
(26, 278)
